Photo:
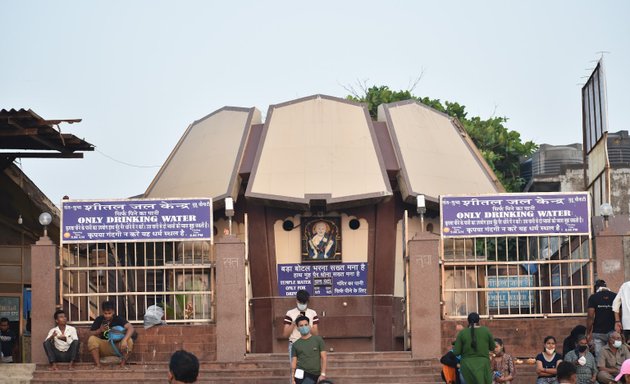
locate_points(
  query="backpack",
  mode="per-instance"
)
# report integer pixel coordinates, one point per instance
(449, 371)
(114, 335)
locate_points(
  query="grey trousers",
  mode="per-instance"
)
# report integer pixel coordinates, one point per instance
(56, 356)
(600, 340)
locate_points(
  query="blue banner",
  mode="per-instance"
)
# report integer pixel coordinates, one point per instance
(514, 214)
(136, 220)
(510, 298)
(345, 279)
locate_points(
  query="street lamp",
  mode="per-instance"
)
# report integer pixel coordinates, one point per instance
(45, 219)
(606, 210)
(421, 208)
(229, 211)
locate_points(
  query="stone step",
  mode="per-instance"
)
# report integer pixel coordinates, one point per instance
(16, 373)
(337, 355)
(269, 369)
(136, 372)
(331, 363)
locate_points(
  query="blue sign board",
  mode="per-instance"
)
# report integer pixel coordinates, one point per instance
(10, 307)
(514, 214)
(345, 279)
(136, 220)
(510, 298)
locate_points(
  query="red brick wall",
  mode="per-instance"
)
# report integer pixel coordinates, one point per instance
(156, 344)
(522, 337)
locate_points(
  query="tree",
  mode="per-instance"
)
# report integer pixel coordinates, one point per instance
(501, 148)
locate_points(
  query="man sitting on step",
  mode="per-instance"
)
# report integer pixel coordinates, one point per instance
(8, 341)
(99, 343)
(62, 342)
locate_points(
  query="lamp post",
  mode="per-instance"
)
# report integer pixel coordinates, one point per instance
(45, 219)
(44, 287)
(229, 212)
(421, 208)
(606, 210)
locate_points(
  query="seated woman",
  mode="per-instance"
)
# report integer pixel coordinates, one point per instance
(502, 364)
(547, 362)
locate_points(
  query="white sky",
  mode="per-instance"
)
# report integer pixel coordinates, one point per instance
(138, 72)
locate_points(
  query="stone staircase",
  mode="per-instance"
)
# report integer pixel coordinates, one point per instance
(16, 373)
(343, 368)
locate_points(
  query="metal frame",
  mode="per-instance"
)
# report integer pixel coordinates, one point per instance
(534, 276)
(179, 275)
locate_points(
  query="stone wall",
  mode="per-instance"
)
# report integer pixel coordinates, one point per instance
(521, 337)
(156, 344)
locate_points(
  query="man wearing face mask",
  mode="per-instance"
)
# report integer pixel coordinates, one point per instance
(601, 318)
(583, 360)
(308, 361)
(301, 309)
(610, 359)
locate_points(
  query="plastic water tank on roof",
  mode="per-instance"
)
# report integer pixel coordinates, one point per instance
(549, 159)
(619, 148)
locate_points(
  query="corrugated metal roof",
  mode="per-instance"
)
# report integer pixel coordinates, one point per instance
(22, 129)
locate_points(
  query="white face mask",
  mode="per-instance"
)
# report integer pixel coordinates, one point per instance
(301, 307)
(617, 343)
(550, 351)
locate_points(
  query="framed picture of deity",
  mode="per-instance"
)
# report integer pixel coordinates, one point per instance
(321, 239)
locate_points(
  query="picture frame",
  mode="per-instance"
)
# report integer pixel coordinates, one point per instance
(321, 239)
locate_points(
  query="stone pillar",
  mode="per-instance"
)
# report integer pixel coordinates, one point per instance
(44, 300)
(231, 299)
(610, 258)
(424, 296)
(384, 267)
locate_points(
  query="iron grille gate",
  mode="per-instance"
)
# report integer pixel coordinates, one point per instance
(523, 276)
(178, 276)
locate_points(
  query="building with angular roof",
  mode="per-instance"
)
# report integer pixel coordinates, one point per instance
(321, 163)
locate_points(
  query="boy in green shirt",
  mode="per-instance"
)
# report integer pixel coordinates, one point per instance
(308, 362)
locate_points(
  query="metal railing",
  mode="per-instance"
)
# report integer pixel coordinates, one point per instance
(406, 274)
(527, 276)
(248, 288)
(178, 276)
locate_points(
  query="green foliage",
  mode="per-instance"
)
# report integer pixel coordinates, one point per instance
(501, 148)
(175, 311)
(501, 248)
(375, 96)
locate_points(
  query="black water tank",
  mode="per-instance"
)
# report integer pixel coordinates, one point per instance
(549, 159)
(619, 148)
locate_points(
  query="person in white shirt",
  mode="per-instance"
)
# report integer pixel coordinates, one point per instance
(62, 342)
(621, 308)
(301, 309)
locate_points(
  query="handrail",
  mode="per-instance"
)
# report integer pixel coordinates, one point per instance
(248, 284)
(407, 336)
